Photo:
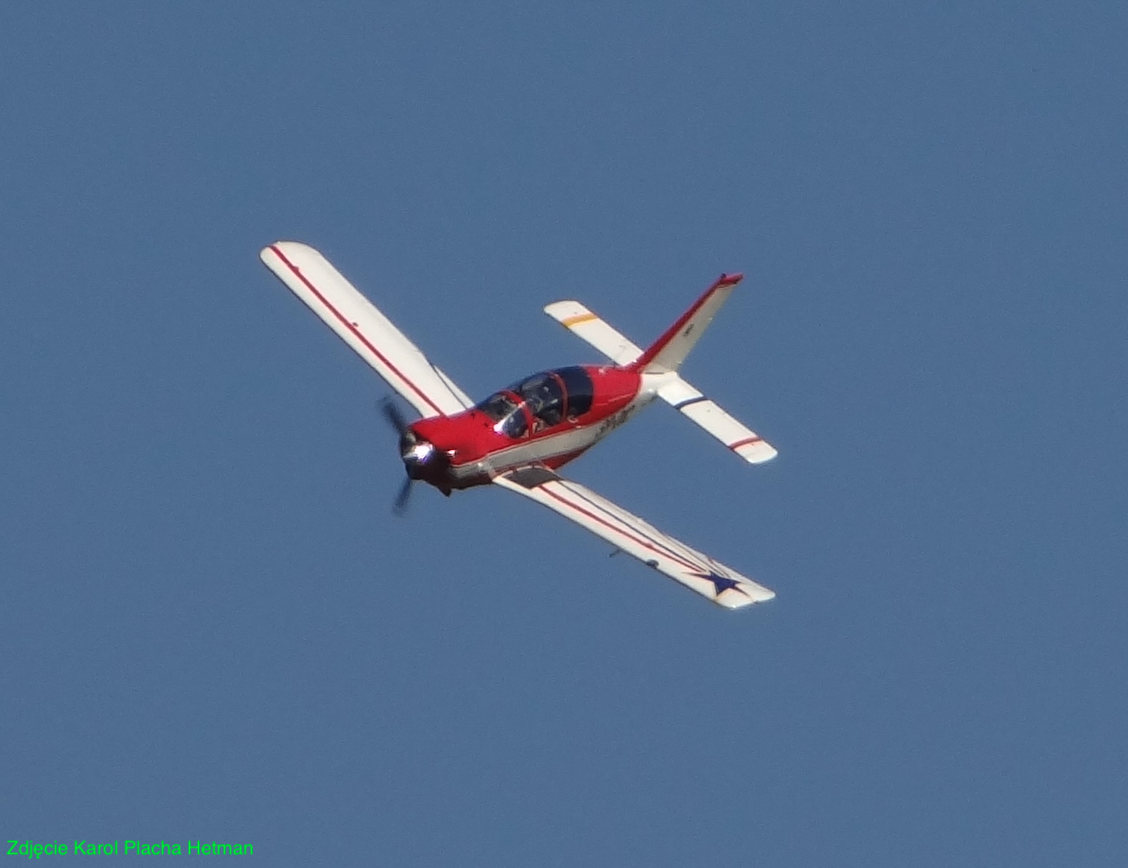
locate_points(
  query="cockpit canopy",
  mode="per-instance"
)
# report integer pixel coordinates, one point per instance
(541, 401)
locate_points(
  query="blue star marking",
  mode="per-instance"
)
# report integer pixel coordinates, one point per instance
(720, 583)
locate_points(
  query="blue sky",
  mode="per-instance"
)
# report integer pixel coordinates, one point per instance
(214, 627)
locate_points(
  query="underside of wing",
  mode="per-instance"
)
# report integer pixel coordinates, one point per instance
(341, 306)
(631, 534)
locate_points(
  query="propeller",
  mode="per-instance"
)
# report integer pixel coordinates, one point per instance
(403, 497)
(396, 419)
(394, 416)
(417, 455)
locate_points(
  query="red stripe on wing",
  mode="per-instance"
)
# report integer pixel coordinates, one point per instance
(352, 328)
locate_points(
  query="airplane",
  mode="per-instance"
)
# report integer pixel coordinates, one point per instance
(520, 436)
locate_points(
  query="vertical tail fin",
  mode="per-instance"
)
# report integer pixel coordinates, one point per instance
(669, 351)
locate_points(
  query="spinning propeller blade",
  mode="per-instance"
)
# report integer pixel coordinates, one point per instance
(395, 418)
(393, 415)
(403, 497)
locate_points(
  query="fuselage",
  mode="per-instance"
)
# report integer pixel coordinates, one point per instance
(548, 418)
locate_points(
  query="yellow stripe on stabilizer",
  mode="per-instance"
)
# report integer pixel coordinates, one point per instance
(577, 319)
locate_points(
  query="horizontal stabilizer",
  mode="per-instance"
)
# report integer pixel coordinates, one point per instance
(691, 403)
(578, 319)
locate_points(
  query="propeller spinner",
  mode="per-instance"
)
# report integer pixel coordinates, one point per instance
(420, 458)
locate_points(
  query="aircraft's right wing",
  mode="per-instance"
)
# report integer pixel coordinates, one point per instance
(631, 534)
(373, 337)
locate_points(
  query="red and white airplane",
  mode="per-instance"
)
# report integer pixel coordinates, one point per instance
(519, 437)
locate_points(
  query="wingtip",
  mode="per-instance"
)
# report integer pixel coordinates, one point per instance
(749, 594)
(276, 250)
(282, 245)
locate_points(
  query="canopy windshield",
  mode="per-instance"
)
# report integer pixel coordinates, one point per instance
(541, 401)
(507, 410)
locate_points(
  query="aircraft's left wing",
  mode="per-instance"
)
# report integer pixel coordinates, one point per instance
(631, 534)
(313, 279)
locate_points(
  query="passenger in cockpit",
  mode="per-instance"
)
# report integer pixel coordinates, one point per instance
(545, 399)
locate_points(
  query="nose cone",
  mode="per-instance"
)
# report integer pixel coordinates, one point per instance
(417, 455)
(440, 448)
